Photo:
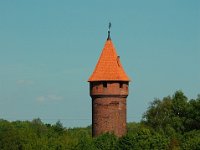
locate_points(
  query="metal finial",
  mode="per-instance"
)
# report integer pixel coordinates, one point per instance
(109, 26)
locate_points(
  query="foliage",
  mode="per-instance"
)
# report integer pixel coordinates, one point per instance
(175, 112)
(143, 138)
(191, 140)
(176, 117)
(106, 141)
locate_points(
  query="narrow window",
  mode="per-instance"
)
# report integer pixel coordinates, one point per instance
(104, 84)
(120, 85)
(91, 85)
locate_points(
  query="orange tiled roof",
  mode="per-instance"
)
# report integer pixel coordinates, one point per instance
(109, 67)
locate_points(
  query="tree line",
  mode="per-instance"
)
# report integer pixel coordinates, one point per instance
(171, 123)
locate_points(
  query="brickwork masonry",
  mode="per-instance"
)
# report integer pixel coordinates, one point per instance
(109, 107)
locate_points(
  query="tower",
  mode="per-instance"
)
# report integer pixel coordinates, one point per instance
(109, 90)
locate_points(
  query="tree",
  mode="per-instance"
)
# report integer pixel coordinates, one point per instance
(58, 127)
(170, 112)
(191, 140)
(84, 142)
(143, 138)
(159, 113)
(106, 141)
(193, 115)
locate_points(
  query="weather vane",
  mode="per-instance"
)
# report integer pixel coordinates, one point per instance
(109, 26)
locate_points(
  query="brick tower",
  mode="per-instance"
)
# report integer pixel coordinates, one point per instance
(109, 90)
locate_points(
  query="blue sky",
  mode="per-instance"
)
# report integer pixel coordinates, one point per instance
(48, 50)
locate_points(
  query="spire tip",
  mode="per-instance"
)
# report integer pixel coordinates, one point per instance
(109, 26)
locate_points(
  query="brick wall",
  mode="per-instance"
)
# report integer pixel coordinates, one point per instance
(109, 107)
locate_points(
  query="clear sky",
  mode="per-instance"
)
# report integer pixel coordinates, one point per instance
(48, 50)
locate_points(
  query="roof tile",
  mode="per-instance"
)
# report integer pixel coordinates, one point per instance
(109, 67)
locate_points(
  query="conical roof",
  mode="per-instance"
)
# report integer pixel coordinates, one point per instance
(109, 67)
